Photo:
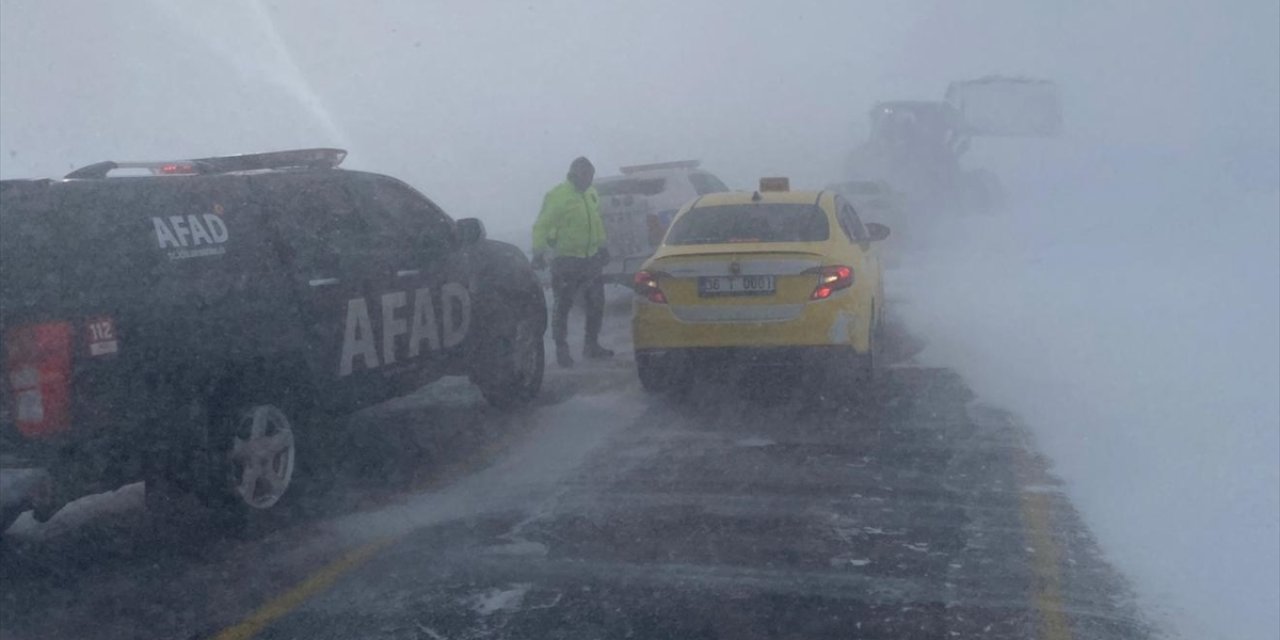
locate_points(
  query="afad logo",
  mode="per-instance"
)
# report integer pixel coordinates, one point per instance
(192, 236)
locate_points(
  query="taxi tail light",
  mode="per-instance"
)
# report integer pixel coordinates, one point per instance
(38, 377)
(646, 284)
(831, 280)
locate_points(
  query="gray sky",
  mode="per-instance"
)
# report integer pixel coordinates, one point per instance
(481, 105)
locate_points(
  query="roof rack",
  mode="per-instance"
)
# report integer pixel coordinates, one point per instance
(319, 158)
(678, 164)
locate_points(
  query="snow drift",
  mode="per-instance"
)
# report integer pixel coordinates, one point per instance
(1134, 324)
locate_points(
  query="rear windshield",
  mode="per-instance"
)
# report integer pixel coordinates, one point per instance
(113, 242)
(632, 187)
(751, 223)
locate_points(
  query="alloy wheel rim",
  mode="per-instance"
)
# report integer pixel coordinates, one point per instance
(262, 456)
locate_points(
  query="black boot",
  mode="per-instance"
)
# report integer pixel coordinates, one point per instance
(562, 355)
(594, 351)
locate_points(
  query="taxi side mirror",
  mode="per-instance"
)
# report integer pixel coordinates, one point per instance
(470, 231)
(877, 231)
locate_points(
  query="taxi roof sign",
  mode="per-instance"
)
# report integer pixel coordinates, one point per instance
(775, 184)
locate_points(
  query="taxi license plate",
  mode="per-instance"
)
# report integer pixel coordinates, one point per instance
(736, 286)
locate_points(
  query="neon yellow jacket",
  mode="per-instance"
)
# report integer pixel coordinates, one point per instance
(569, 224)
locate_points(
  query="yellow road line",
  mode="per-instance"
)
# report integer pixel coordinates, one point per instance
(288, 601)
(326, 576)
(1044, 562)
(1047, 587)
(1036, 511)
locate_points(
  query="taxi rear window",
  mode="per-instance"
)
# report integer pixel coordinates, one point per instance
(726, 224)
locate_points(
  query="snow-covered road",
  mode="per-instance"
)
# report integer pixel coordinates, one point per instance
(602, 512)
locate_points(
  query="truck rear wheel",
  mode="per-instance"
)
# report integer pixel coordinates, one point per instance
(247, 463)
(262, 455)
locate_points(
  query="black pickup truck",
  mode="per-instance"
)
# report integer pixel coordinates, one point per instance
(195, 323)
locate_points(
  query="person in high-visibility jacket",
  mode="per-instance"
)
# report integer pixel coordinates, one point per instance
(570, 230)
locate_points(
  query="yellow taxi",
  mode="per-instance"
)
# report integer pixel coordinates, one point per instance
(767, 277)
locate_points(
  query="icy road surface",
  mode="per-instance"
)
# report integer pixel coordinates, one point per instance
(748, 512)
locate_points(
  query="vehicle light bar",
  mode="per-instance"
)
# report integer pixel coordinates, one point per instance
(297, 158)
(176, 168)
(320, 158)
(678, 164)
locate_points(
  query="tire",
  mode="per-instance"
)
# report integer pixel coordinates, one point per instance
(869, 362)
(247, 467)
(868, 365)
(850, 377)
(512, 356)
(668, 374)
(652, 375)
(261, 457)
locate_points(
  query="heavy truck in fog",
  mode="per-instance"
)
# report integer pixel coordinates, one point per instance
(916, 146)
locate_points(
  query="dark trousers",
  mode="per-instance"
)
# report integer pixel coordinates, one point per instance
(568, 277)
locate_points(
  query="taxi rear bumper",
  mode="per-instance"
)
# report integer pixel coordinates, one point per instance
(824, 324)
(747, 357)
(682, 370)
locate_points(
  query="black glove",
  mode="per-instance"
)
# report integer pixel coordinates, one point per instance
(539, 262)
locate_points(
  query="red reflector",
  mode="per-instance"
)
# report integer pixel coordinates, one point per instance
(646, 284)
(38, 376)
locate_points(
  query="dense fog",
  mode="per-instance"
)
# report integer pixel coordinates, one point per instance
(1125, 303)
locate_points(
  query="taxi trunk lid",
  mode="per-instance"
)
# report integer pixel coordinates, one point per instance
(770, 285)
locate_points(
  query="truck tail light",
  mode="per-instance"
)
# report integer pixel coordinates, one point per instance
(830, 280)
(646, 284)
(38, 375)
